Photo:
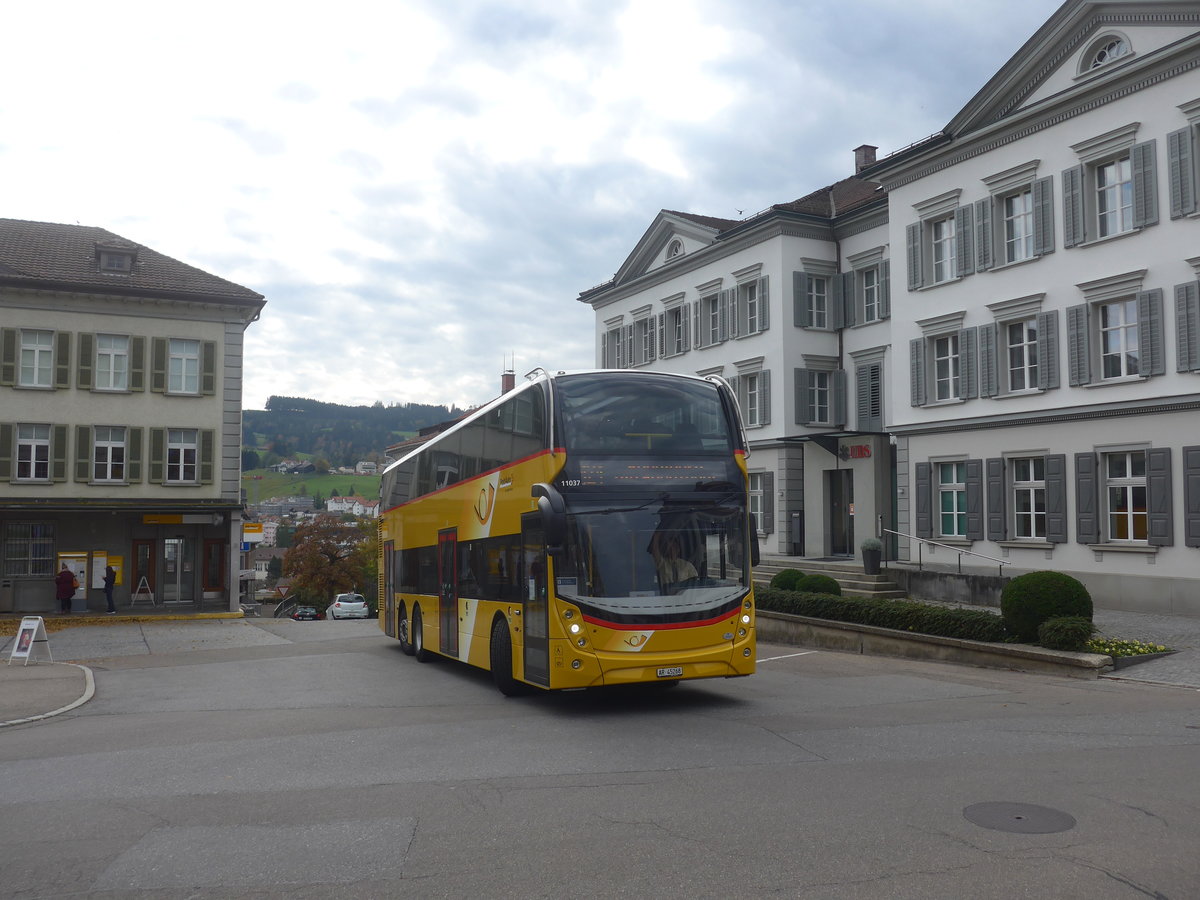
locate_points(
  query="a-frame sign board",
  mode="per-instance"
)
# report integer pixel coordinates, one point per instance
(143, 591)
(31, 641)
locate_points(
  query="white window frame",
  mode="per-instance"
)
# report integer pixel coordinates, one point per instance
(32, 453)
(820, 396)
(182, 456)
(109, 456)
(1020, 355)
(870, 280)
(755, 499)
(818, 301)
(1016, 210)
(1027, 491)
(36, 365)
(710, 319)
(112, 362)
(183, 366)
(1117, 329)
(1112, 198)
(675, 321)
(1123, 517)
(954, 490)
(943, 250)
(947, 367)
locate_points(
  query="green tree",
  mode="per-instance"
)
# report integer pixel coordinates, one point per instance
(250, 460)
(327, 557)
(284, 536)
(274, 570)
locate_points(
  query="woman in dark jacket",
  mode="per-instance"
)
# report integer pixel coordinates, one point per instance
(64, 588)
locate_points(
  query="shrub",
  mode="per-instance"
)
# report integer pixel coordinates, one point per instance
(1030, 599)
(1066, 633)
(871, 543)
(818, 584)
(786, 580)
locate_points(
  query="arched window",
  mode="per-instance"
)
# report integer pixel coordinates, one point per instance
(675, 248)
(1105, 50)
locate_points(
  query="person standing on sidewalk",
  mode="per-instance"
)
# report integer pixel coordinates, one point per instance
(110, 578)
(64, 588)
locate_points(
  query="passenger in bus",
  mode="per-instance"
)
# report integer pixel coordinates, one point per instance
(672, 567)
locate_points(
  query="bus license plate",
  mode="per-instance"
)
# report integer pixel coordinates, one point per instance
(671, 672)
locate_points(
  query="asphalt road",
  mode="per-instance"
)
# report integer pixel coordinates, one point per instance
(315, 760)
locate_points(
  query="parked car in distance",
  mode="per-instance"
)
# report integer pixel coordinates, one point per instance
(348, 606)
(306, 612)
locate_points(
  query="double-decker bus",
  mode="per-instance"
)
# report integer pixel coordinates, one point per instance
(583, 529)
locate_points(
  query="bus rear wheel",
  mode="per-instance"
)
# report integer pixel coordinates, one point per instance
(501, 659)
(402, 629)
(418, 638)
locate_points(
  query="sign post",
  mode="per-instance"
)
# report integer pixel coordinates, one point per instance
(31, 641)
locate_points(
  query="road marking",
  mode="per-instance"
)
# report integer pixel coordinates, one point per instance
(789, 656)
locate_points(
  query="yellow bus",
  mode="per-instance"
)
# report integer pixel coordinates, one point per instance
(583, 529)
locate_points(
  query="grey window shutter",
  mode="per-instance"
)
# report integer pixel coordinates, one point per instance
(208, 368)
(703, 337)
(1047, 350)
(849, 299)
(764, 304)
(1181, 168)
(158, 455)
(1079, 359)
(137, 363)
(1159, 519)
(924, 490)
(767, 525)
(997, 515)
(964, 236)
(83, 371)
(764, 397)
(158, 365)
(974, 499)
(736, 387)
(801, 314)
(83, 453)
(968, 365)
(604, 350)
(989, 373)
(1043, 216)
(1074, 232)
(208, 439)
(687, 331)
(133, 455)
(8, 356)
(6, 451)
(913, 236)
(1087, 499)
(58, 453)
(1145, 183)
(885, 289)
(1191, 496)
(835, 306)
(870, 397)
(916, 371)
(662, 337)
(732, 316)
(837, 399)
(727, 302)
(1187, 327)
(630, 357)
(804, 407)
(1056, 498)
(1151, 351)
(62, 360)
(983, 234)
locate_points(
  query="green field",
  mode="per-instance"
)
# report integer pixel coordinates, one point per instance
(261, 484)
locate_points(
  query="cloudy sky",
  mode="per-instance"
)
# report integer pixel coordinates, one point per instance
(422, 189)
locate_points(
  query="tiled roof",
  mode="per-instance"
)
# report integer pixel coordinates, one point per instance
(44, 254)
(707, 221)
(836, 199)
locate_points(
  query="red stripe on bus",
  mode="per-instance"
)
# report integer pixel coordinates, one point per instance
(620, 626)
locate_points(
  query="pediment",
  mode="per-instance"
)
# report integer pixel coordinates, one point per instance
(669, 240)
(1081, 48)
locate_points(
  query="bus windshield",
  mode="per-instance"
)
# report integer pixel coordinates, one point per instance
(656, 562)
(640, 413)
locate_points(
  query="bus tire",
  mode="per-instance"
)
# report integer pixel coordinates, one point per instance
(402, 629)
(501, 659)
(418, 637)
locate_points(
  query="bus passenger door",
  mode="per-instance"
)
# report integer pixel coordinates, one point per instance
(448, 592)
(537, 602)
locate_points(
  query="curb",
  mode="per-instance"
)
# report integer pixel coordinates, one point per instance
(874, 641)
(8, 627)
(89, 691)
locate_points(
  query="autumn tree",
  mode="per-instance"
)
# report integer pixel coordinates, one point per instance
(326, 558)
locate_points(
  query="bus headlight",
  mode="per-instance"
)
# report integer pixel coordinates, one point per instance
(745, 620)
(574, 628)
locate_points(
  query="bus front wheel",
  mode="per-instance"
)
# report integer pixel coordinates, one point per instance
(418, 638)
(501, 659)
(402, 629)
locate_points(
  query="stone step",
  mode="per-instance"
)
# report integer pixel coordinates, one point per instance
(848, 573)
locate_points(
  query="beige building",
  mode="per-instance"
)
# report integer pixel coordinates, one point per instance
(120, 421)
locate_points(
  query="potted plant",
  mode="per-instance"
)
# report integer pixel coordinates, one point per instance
(872, 553)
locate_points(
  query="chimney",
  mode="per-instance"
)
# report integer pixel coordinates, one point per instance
(864, 156)
(508, 381)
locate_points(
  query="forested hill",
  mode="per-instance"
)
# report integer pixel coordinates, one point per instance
(341, 435)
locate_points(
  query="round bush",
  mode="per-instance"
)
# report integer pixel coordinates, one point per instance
(786, 580)
(818, 584)
(1066, 633)
(1030, 599)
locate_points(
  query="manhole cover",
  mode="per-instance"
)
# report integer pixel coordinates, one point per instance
(1020, 818)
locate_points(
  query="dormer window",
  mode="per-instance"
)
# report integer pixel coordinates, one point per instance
(675, 248)
(111, 261)
(1104, 51)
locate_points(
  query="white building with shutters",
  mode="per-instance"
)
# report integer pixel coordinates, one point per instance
(120, 421)
(1035, 356)
(799, 330)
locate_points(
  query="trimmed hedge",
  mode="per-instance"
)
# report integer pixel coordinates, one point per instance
(818, 584)
(1066, 633)
(786, 580)
(902, 615)
(1031, 599)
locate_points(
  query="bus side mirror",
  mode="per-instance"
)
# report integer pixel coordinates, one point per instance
(755, 556)
(554, 515)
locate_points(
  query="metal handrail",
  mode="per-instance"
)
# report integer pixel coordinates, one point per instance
(921, 542)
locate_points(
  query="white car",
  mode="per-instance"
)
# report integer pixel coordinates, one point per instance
(348, 606)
